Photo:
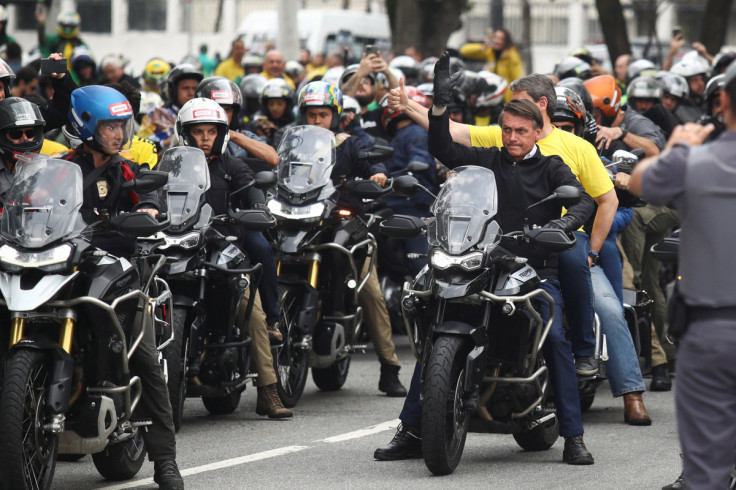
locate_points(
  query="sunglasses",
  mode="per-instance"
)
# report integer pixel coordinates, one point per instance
(17, 134)
(565, 127)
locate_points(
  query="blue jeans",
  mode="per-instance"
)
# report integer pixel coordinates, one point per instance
(558, 355)
(577, 290)
(261, 252)
(611, 265)
(622, 366)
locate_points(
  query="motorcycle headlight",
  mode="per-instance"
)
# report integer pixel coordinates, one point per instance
(190, 240)
(469, 262)
(310, 211)
(50, 260)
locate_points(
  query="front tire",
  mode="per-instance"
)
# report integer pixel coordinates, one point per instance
(291, 364)
(445, 420)
(28, 453)
(121, 461)
(176, 358)
(332, 378)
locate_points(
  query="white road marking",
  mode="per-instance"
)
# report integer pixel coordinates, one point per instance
(218, 465)
(391, 424)
(375, 429)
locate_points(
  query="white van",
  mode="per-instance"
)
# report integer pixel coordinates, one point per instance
(321, 30)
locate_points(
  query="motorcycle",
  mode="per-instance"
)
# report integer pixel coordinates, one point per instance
(207, 274)
(473, 321)
(320, 249)
(76, 315)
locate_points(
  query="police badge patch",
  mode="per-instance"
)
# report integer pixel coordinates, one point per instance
(102, 189)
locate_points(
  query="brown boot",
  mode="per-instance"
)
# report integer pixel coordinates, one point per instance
(634, 411)
(270, 404)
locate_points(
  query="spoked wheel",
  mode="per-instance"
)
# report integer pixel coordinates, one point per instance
(290, 363)
(445, 419)
(332, 378)
(27, 451)
(176, 358)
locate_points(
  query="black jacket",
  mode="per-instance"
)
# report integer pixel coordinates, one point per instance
(519, 185)
(348, 165)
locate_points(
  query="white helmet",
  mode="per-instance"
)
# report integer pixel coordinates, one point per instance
(203, 111)
(689, 66)
(3, 14)
(642, 67)
(644, 87)
(408, 65)
(333, 75)
(674, 85)
(489, 88)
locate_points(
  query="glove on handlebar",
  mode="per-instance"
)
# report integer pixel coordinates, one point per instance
(443, 81)
(566, 223)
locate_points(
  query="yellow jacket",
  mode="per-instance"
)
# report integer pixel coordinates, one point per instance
(284, 76)
(508, 66)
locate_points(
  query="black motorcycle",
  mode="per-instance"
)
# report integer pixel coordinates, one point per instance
(75, 315)
(474, 323)
(320, 251)
(209, 356)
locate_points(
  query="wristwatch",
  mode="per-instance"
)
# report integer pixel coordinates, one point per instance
(623, 134)
(594, 257)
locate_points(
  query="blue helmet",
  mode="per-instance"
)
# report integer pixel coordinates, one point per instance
(93, 105)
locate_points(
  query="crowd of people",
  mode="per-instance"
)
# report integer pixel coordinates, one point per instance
(579, 113)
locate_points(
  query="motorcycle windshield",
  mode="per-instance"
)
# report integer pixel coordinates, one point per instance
(189, 179)
(306, 159)
(43, 202)
(465, 204)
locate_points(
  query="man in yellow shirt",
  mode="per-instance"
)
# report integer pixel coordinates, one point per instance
(274, 66)
(232, 68)
(586, 165)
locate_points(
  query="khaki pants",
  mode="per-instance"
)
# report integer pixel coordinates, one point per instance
(260, 345)
(376, 317)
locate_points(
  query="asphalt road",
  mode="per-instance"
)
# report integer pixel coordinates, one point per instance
(330, 442)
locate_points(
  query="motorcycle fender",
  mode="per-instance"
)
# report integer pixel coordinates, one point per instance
(457, 328)
(290, 244)
(19, 297)
(474, 369)
(308, 312)
(62, 371)
(454, 288)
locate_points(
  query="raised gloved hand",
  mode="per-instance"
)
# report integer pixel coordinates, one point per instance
(443, 81)
(566, 223)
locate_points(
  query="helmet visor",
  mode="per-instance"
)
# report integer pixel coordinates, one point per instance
(114, 135)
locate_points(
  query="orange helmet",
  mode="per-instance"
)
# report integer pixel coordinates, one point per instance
(605, 93)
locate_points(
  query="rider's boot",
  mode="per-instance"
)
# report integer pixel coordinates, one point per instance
(389, 382)
(634, 411)
(166, 475)
(406, 444)
(270, 404)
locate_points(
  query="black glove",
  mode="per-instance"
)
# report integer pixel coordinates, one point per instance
(443, 81)
(566, 223)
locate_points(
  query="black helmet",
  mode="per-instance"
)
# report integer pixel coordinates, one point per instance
(222, 90)
(577, 86)
(19, 114)
(570, 108)
(722, 60)
(180, 72)
(714, 85)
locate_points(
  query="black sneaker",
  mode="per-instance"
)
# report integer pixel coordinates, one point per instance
(575, 451)
(678, 484)
(406, 444)
(586, 365)
(166, 475)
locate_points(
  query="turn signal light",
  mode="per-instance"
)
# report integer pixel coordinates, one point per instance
(345, 213)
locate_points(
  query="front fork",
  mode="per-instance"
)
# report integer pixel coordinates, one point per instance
(309, 308)
(66, 332)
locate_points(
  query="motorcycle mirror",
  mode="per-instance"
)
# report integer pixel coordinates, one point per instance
(377, 154)
(265, 179)
(137, 224)
(568, 195)
(552, 239)
(253, 219)
(667, 250)
(417, 166)
(402, 226)
(366, 189)
(625, 160)
(404, 186)
(147, 181)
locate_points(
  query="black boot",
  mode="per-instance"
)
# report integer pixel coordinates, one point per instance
(166, 474)
(660, 378)
(575, 451)
(406, 444)
(389, 382)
